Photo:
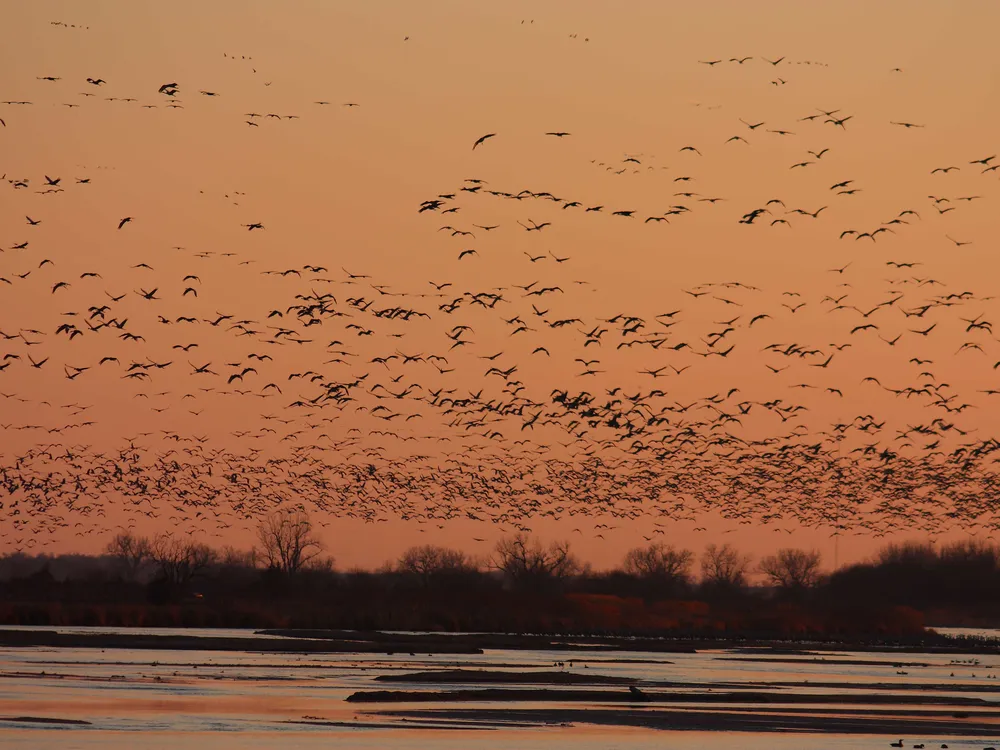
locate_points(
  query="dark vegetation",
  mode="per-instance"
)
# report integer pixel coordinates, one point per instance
(524, 587)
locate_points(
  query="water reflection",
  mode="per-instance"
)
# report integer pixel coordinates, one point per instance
(157, 699)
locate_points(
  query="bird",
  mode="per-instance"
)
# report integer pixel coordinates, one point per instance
(386, 395)
(482, 139)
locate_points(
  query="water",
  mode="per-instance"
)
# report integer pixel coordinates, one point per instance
(206, 699)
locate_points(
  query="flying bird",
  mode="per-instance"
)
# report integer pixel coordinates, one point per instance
(482, 139)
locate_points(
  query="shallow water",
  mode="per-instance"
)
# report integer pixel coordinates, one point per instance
(168, 699)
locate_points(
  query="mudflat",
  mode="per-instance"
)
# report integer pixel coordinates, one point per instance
(554, 695)
(710, 721)
(375, 642)
(55, 639)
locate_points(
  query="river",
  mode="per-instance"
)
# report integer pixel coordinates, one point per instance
(244, 699)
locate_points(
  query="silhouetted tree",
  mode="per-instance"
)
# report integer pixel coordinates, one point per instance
(287, 541)
(956, 583)
(428, 562)
(231, 557)
(793, 570)
(662, 566)
(724, 567)
(526, 562)
(970, 554)
(178, 561)
(909, 554)
(131, 553)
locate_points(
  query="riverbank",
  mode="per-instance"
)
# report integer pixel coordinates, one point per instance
(379, 642)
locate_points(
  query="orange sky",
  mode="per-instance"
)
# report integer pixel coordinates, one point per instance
(339, 187)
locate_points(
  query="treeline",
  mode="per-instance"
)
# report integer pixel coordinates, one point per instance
(524, 585)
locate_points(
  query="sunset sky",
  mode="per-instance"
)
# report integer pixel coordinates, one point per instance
(338, 188)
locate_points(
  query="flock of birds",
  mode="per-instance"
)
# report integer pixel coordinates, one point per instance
(348, 396)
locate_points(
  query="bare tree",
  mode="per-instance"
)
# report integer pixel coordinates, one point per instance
(659, 561)
(231, 557)
(724, 567)
(428, 561)
(287, 541)
(792, 569)
(525, 561)
(971, 552)
(131, 553)
(180, 561)
(915, 554)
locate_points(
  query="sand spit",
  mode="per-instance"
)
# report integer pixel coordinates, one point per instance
(483, 677)
(834, 661)
(406, 723)
(45, 720)
(54, 639)
(499, 641)
(899, 685)
(504, 695)
(747, 645)
(709, 721)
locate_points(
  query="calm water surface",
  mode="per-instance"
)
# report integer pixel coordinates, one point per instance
(206, 699)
